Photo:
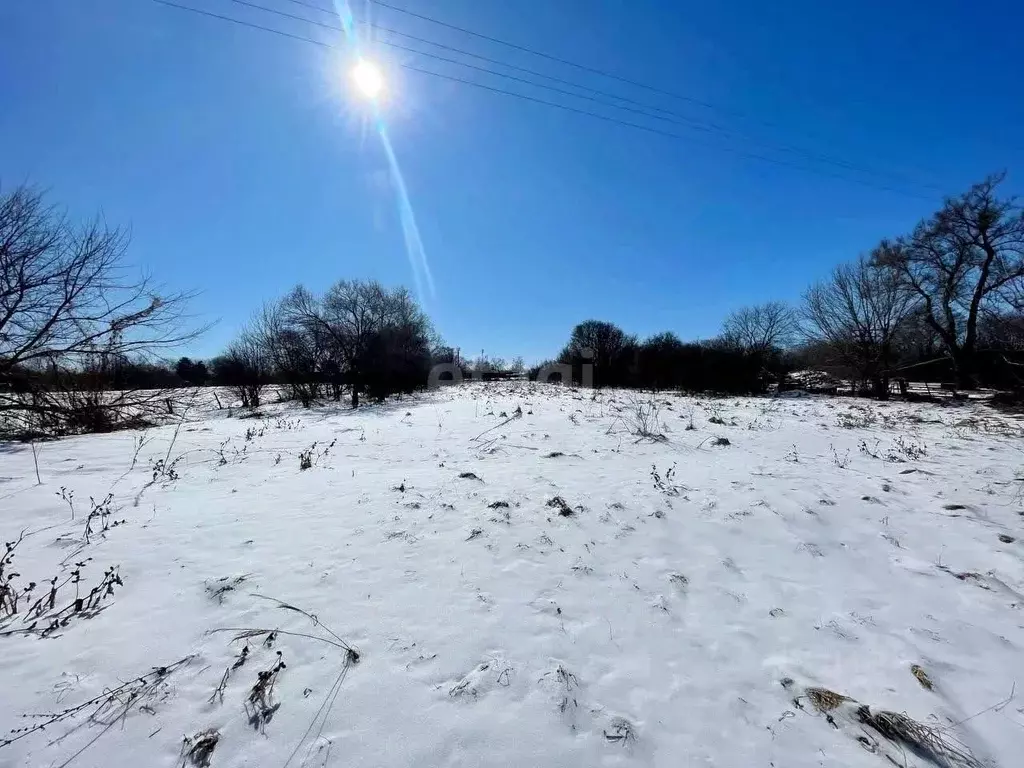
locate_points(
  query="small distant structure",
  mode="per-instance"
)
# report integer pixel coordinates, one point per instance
(811, 381)
(499, 375)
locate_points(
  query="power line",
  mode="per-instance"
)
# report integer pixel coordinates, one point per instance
(556, 105)
(564, 107)
(526, 70)
(645, 109)
(567, 62)
(687, 122)
(551, 57)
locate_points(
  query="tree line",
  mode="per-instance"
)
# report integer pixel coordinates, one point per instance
(600, 354)
(83, 343)
(944, 302)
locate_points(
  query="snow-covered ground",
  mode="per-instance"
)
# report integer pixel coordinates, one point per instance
(522, 581)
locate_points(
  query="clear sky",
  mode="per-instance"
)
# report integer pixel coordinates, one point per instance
(245, 163)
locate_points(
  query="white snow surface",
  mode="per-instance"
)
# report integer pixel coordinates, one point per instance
(651, 626)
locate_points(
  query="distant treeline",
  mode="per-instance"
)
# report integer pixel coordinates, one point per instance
(943, 303)
(81, 343)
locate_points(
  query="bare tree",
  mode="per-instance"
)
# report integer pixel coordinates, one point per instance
(377, 340)
(858, 313)
(485, 364)
(296, 352)
(245, 367)
(352, 312)
(762, 327)
(69, 306)
(965, 260)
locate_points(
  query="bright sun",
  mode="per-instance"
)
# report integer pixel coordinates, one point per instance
(368, 79)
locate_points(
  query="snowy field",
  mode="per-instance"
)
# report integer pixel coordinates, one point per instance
(508, 575)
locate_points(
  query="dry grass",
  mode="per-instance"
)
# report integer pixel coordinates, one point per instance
(930, 742)
(824, 700)
(260, 704)
(564, 510)
(107, 710)
(922, 677)
(901, 732)
(197, 750)
(53, 610)
(620, 731)
(642, 418)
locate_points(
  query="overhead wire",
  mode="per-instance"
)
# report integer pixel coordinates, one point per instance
(687, 122)
(681, 119)
(526, 70)
(565, 107)
(548, 56)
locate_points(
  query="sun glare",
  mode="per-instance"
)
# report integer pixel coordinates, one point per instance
(368, 79)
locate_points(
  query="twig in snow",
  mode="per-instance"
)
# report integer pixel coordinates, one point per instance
(44, 614)
(107, 709)
(260, 704)
(620, 730)
(35, 460)
(218, 693)
(140, 442)
(997, 707)
(198, 750)
(69, 499)
(324, 711)
(177, 429)
(517, 414)
(245, 633)
(928, 741)
(312, 617)
(257, 700)
(643, 419)
(223, 585)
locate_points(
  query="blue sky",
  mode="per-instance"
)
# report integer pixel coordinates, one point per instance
(244, 162)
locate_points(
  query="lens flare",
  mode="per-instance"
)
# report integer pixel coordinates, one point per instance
(370, 81)
(368, 78)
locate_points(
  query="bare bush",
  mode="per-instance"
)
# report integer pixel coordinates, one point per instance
(665, 483)
(298, 350)
(310, 457)
(642, 417)
(858, 417)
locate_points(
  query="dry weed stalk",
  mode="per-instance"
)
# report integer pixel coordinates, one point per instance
(900, 734)
(109, 708)
(197, 750)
